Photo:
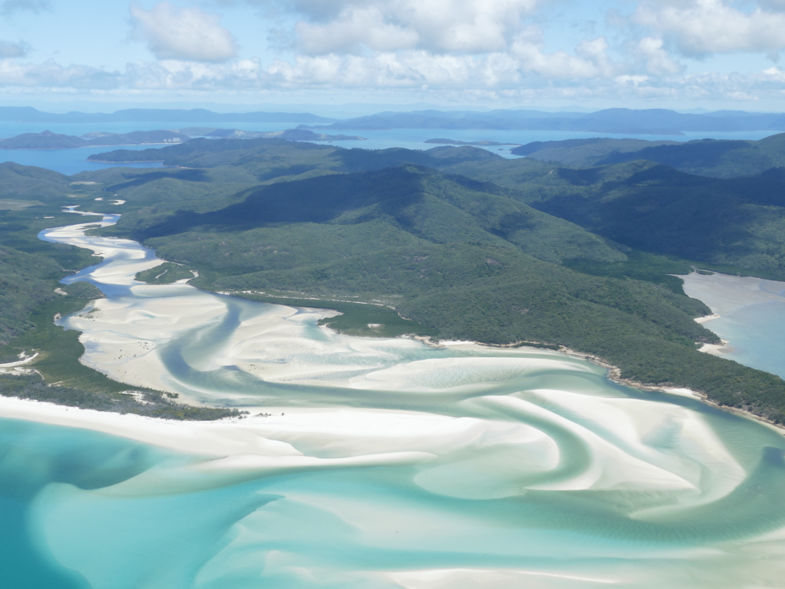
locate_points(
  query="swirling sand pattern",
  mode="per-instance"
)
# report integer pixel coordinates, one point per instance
(389, 462)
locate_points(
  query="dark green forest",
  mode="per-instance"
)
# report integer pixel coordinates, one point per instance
(576, 249)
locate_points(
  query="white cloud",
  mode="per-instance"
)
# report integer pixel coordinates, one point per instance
(240, 74)
(428, 48)
(185, 34)
(433, 25)
(703, 27)
(50, 74)
(590, 61)
(418, 68)
(364, 27)
(656, 60)
(417, 72)
(775, 74)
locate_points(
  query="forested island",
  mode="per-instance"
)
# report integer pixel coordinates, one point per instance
(574, 246)
(49, 140)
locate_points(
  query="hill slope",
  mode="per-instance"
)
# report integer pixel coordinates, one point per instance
(706, 157)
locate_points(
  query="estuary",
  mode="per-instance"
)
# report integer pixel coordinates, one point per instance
(370, 462)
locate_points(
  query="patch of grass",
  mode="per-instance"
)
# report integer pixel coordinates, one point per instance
(166, 273)
(148, 403)
(362, 319)
(60, 349)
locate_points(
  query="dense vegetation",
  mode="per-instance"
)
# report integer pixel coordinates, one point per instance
(708, 157)
(165, 273)
(31, 296)
(462, 244)
(469, 258)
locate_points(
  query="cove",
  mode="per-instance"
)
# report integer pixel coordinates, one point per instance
(375, 462)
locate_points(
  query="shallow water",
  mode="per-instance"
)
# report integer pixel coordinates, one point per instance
(751, 317)
(384, 463)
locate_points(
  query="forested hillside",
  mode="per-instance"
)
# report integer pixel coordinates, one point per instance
(707, 157)
(471, 245)
(462, 242)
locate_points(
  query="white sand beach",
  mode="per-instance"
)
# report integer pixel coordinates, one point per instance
(124, 337)
(444, 434)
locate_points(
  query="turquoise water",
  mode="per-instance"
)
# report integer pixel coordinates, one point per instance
(749, 313)
(757, 335)
(87, 510)
(387, 463)
(35, 459)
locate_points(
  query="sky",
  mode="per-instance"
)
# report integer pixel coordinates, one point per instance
(689, 55)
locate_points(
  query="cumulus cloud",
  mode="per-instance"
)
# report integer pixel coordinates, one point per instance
(364, 27)
(183, 33)
(703, 27)
(50, 74)
(655, 58)
(464, 47)
(8, 50)
(419, 68)
(590, 59)
(433, 25)
(199, 76)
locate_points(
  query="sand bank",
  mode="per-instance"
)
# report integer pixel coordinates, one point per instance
(724, 294)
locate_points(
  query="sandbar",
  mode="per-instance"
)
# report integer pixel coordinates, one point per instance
(725, 294)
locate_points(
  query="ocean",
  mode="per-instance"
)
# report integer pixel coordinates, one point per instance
(73, 161)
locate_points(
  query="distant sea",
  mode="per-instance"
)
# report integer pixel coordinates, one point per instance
(72, 161)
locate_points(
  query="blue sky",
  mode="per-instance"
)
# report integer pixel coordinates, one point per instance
(230, 54)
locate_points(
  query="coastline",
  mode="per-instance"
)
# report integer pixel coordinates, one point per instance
(614, 375)
(130, 355)
(245, 435)
(263, 440)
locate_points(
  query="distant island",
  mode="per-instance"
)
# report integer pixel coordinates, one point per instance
(614, 120)
(26, 114)
(49, 140)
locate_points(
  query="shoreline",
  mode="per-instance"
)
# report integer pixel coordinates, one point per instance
(139, 427)
(242, 435)
(614, 375)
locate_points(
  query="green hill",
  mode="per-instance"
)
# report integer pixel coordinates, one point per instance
(464, 260)
(30, 183)
(414, 200)
(706, 157)
(462, 242)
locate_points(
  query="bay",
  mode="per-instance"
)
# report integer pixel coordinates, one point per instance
(749, 313)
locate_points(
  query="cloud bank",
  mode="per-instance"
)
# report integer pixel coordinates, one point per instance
(646, 50)
(186, 33)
